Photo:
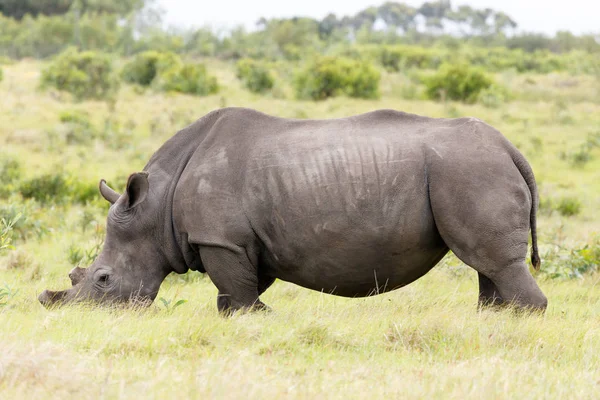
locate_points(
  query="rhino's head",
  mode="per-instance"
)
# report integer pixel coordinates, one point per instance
(132, 264)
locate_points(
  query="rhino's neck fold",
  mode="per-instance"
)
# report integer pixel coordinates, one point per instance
(165, 167)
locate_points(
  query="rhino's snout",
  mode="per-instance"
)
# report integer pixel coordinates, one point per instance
(49, 298)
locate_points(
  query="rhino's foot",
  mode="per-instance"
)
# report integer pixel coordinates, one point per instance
(490, 303)
(227, 308)
(489, 295)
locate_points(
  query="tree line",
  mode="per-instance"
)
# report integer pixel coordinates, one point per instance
(40, 28)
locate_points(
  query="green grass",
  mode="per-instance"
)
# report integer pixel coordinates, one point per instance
(426, 340)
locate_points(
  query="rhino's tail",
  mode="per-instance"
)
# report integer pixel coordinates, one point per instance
(527, 173)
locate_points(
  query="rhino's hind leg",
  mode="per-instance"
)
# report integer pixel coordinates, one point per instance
(489, 295)
(483, 217)
(236, 278)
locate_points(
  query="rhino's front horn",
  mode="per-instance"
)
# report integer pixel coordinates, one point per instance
(49, 298)
(109, 195)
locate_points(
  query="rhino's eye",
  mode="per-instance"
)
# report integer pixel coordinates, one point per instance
(103, 279)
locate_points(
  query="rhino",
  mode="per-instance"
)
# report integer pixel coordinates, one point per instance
(352, 207)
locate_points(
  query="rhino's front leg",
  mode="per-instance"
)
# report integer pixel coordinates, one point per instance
(235, 276)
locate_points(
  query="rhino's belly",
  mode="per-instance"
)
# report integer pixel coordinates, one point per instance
(369, 249)
(349, 216)
(355, 271)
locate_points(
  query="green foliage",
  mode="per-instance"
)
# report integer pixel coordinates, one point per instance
(78, 256)
(571, 264)
(398, 58)
(58, 188)
(493, 96)
(48, 188)
(78, 126)
(568, 206)
(6, 227)
(1, 74)
(255, 75)
(25, 217)
(188, 78)
(565, 206)
(457, 82)
(171, 307)
(18, 8)
(86, 75)
(333, 76)
(584, 154)
(144, 67)
(10, 171)
(6, 293)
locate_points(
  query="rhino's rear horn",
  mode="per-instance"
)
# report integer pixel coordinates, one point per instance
(109, 195)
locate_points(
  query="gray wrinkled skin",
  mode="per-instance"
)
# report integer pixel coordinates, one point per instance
(353, 207)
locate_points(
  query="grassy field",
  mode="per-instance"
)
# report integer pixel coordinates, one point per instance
(424, 341)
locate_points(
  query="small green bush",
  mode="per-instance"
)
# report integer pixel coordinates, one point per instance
(332, 76)
(560, 264)
(59, 188)
(86, 75)
(10, 171)
(493, 96)
(26, 217)
(397, 58)
(48, 188)
(585, 153)
(255, 75)
(568, 206)
(78, 127)
(457, 82)
(145, 67)
(188, 78)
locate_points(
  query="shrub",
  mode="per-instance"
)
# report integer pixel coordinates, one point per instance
(579, 158)
(78, 126)
(568, 206)
(328, 77)
(397, 58)
(48, 188)
(457, 82)
(144, 67)
(10, 171)
(255, 76)
(1, 75)
(86, 75)
(26, 217)
(572, 264)
(493, 96)
(58, 188)
(188, 78)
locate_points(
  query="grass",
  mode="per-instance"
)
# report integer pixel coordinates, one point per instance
(426, 340)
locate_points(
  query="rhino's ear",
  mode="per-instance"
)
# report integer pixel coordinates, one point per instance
(137, 188)
(109, 195)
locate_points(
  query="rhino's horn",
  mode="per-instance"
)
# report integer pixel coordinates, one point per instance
(110, 195)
